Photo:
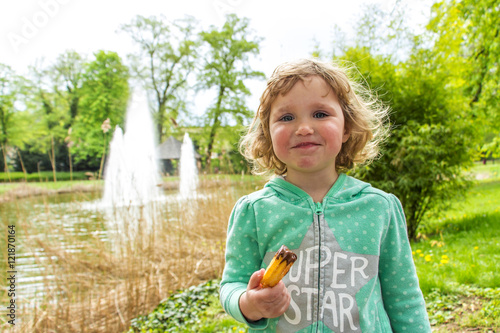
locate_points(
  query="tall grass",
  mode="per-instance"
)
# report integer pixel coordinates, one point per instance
(89, 287)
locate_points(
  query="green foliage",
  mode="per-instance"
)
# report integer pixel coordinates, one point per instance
(467, 40)
(66, 74)
(491, 149)
(104, 95)
(53, 103)
(44, 176)
(71, 94)
(14, 122)
(468, 30)
(225, 69)
(225, 145)
(191, 310)
(431, 138)
(7, 99)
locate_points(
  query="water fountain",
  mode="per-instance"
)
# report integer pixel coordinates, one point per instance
(131, 184)
(132, 174)
(188, 171)
(132, 192)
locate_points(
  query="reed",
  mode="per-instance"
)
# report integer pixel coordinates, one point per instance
(90, 287)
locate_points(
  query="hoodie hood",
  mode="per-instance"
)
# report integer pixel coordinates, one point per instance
(344, 189)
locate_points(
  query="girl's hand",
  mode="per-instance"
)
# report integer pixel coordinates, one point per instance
(257, 302)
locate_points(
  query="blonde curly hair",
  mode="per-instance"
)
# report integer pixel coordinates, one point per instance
(365, 117)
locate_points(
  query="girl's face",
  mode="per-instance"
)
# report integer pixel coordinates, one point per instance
(307, 128)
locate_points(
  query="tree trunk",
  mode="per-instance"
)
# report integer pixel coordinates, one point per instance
(160, 119)
(70, 165)
(22, 165)
(6, 167)
(211, 140)
(102, 157)
(73, 108)
(52, 158)
(215, 125)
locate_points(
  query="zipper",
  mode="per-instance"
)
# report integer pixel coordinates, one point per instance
(318, 210)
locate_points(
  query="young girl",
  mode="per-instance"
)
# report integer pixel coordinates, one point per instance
(354, 271)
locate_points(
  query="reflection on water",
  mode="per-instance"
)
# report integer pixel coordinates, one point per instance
(60, 220)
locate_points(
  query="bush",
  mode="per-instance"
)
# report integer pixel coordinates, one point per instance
(432, 135)
(191, 310)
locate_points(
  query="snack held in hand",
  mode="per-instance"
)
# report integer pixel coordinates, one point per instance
(279, 266)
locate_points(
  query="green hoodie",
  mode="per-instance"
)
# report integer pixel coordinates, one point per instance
(354, 271)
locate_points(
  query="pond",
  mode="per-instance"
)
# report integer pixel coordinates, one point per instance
(68, 262)
(35, 219)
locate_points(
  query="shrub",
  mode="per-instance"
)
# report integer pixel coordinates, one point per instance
(195, 309)
(44, 176)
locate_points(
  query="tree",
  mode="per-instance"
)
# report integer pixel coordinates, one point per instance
(54, 100)
(7, 99)
(467, 37)
(49, 101)
(225, 147)
(166, 59)
(67, 74)
(103, 96)
(225, 68)
(14, 121)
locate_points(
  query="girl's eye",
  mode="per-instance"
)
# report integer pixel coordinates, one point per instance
(286, 117)
(320, 114)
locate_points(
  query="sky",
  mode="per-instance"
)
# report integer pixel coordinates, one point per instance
(37, 31)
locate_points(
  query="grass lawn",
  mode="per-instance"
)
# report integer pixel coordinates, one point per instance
(462, 246)
(458, 262)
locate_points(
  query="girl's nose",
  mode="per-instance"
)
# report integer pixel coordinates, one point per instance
(304, 128)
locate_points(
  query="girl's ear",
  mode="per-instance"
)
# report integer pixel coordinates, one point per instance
(346, 136)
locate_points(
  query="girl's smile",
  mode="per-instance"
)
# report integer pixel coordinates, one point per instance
(305, 144)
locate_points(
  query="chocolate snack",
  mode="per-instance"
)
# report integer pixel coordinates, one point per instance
(278, 267)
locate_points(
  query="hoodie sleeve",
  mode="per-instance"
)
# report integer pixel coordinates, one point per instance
(242, 260)
(403, 299)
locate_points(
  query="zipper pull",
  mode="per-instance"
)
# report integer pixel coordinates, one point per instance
(319, 208)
